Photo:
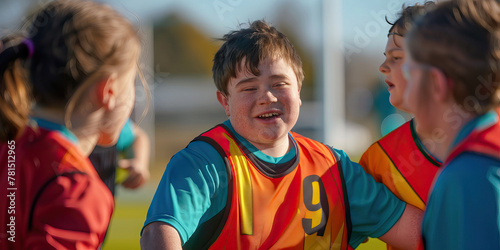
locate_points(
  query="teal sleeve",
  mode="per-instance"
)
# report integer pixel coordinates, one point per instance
(127, 136)
(462, 211)
(374, 209)
(192, 190)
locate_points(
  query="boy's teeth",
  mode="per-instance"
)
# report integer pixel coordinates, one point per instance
(268, 115)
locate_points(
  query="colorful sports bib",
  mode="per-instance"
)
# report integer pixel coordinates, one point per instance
(302, 207)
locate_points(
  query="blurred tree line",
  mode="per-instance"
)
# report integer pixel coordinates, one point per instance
(181, 49)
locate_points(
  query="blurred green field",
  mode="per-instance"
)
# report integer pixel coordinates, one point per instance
(128, 217)
(125, 227)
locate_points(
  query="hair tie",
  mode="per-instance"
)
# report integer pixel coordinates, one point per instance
(31, 47)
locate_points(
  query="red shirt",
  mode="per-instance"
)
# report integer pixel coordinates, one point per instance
(52, 198)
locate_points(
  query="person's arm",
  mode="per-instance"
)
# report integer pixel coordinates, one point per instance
(375, 211)
(138, 166)
(160, 235)
(406, 233)
(192, 190)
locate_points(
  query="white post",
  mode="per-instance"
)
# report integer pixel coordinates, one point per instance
(332, 90)
(147, 120)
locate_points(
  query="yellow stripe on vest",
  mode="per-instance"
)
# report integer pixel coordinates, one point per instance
(244, 187)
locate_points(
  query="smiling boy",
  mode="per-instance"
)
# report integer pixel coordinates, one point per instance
(251, 183)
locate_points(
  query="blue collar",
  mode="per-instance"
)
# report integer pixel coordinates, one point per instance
(56, 127)
(275, 160)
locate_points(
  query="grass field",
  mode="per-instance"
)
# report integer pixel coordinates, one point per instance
(129, 215)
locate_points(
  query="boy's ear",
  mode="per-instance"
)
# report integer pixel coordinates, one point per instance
(223, 101)
(105, 92)
(441, 88)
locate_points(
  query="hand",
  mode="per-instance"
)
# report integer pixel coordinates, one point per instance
(138, 173)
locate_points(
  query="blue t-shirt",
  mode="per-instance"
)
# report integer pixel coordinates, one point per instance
(127, 136)
(463, 208)
(194, 188)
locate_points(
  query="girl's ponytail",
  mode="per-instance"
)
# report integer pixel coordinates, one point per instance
(15, 94)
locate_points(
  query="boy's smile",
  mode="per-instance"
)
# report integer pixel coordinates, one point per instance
(263, 108)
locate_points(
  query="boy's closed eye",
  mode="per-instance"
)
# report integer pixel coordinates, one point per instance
(248, 89)
(394, 56)
(281, 84)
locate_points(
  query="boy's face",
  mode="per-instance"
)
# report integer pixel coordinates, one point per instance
(264, 108)
(391, 68)
(418, 94)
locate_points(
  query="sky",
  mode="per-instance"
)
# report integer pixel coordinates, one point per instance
(363, 26)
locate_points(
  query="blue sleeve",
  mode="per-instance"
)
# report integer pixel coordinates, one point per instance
(374, 209)
(192, 190)
(127, 136)
(462, 212)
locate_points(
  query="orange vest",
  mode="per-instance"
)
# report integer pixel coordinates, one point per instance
(305, 207)
(398, 161)
(402, 165)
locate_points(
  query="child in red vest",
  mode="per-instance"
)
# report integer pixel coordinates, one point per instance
(403, 159)
(65, 87)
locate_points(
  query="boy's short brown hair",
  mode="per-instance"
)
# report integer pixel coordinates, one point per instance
(253, 44)
(461, 39)
(407, 16)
